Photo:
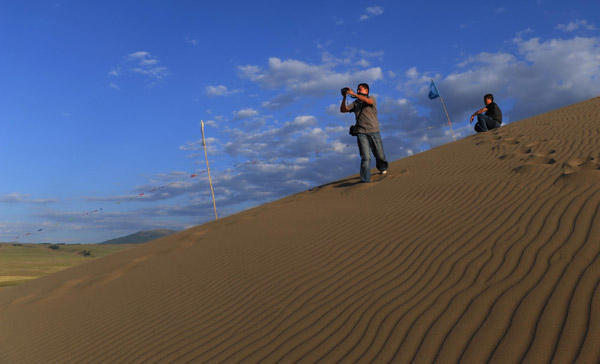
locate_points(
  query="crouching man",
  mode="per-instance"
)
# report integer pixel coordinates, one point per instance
(488, 118)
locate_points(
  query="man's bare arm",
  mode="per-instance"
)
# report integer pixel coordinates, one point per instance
(480, 111)
(343, 107)
(362, 98)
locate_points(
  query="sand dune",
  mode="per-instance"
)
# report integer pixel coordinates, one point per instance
(486, 250)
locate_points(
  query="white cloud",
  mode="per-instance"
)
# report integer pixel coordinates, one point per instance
(305, 120)
(220, 91)
(212, 123)
(16, 197)
(216, 90)
(43, 201)
(244, 114)
(138, 55)
(142, 63)
(155, 73)
(522, 33)
(351, 56)
(574, 25)
(333, 109)
(148, 62)
(249, 71)
(363, 63)
(350, 53)
(306, 79)
(412, 72)
(371, 12)
(279, 102)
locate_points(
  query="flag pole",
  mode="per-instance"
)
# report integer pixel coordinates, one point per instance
(446, 111)
(208, 169)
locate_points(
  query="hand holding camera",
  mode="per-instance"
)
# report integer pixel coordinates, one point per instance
(348, 90)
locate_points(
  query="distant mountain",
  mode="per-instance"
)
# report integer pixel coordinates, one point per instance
(140, 237)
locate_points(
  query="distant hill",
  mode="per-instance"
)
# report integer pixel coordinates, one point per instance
(140, 237)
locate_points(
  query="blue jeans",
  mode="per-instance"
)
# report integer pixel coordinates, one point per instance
(485, 123)
(370, 141)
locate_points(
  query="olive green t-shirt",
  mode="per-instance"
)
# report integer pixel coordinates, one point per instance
(367, 116)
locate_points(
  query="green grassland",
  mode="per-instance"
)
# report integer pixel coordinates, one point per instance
(20, 263)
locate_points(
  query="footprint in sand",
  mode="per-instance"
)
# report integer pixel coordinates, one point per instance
(520, 153)
(532, 144)
(532, 161)
(579, 178)
(540, 159)
(579, 171)
(589, 163)
(529, 155)
(511, 141)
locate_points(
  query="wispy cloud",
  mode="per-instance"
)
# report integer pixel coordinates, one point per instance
(16, 197)
(338, 21)
(280, 102)
(192, 41)
(149, 66)
(120, 223)
(575, 25)
(142, 63)
(220, 91)
(352, 52)
(43, 201)
(371, 12)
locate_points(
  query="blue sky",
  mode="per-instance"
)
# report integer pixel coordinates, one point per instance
(102, 101)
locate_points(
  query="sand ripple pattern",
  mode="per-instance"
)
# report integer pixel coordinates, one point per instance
(486, 250)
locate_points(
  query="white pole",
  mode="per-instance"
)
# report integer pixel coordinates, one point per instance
(208, 169)
(449, 123)
(446, 111)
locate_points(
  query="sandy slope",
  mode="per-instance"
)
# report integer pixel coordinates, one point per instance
(483, 250)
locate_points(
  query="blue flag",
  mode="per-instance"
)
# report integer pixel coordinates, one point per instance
(433, 91)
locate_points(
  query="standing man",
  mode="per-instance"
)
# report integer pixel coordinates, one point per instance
(492, 118)
(366, 129)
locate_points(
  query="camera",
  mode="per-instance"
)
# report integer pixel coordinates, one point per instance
(346, 89)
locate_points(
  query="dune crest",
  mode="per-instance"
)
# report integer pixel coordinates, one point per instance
(486, 250)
